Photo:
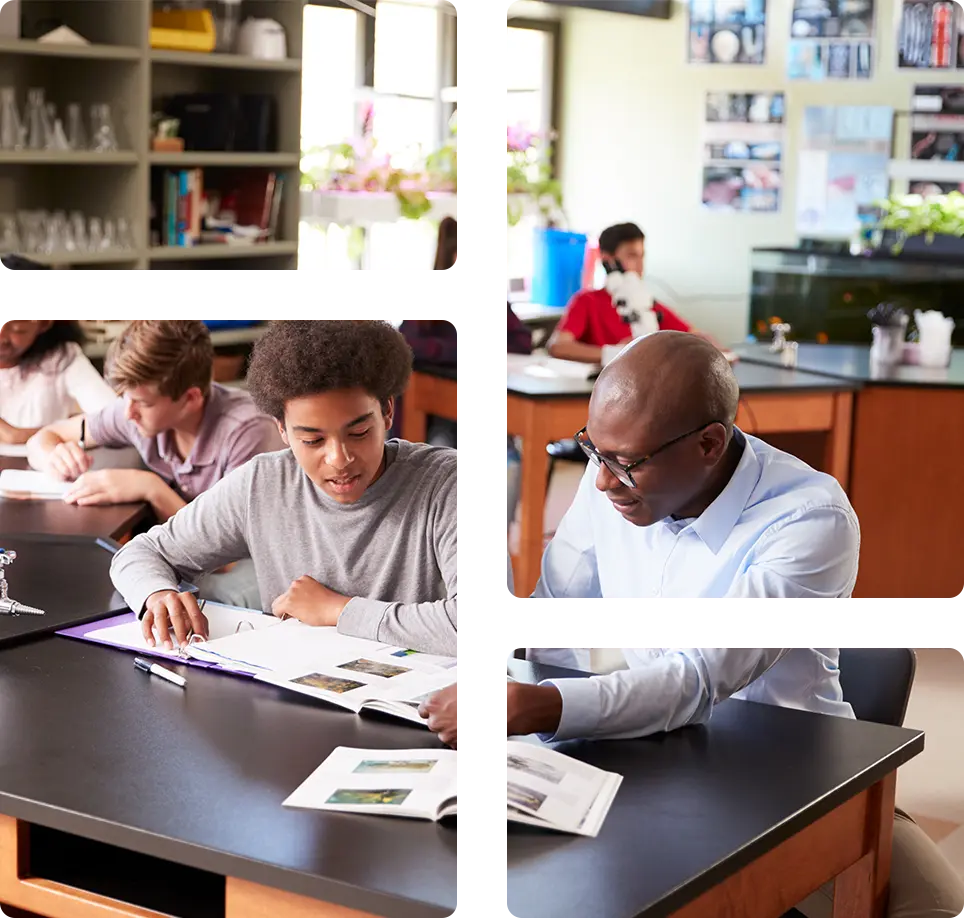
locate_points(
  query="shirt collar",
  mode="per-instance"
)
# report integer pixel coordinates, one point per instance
(205, 449)
(717, 521)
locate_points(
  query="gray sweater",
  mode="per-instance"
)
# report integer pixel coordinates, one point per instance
(393, 550)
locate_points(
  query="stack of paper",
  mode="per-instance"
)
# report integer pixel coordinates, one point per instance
(25, 485)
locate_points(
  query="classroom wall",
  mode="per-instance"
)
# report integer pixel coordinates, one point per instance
(630, 146)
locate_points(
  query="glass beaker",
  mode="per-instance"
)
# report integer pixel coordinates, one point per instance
(38, 121)
(76, 132)
(11, 127)
(103, 135)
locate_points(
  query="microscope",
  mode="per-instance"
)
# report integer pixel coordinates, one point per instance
(10, 606)
(633, 302)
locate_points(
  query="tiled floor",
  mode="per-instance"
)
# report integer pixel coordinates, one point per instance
(931, 786)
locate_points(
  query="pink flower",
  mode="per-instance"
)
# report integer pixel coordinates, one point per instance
(518, 139)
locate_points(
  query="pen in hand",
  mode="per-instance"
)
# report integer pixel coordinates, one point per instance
(83, 434)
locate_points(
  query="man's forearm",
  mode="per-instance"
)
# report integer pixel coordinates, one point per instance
(164, 501)
(532, 709)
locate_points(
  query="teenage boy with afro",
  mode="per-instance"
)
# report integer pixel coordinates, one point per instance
(345, 528)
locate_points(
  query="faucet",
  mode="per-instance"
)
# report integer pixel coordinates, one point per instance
(10, 606)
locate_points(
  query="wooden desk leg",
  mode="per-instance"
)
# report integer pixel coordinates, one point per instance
(532, 497)
(837, 449)
(414, 419)
(862, 889)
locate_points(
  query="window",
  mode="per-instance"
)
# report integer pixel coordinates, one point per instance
(531, 103)
(361, 63)
(330, 65)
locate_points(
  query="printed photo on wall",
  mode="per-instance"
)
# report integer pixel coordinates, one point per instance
(842, 171)
(937, 132)
(831, 40)
(930, 36)
(727, 32)
(743, 151)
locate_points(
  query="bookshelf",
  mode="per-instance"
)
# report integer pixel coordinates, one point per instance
(121, 69)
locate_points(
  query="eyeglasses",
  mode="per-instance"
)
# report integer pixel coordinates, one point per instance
(623, 473)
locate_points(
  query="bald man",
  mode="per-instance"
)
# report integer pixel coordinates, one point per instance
(677, 503)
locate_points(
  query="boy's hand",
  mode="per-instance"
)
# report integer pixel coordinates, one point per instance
(167, 610)
(110, 486)
(67, 461)
(310, 602)
(442, 713)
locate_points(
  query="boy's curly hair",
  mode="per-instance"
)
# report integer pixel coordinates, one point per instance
(298, 358)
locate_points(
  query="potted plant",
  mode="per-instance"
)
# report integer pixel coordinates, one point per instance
(358, 166)
(931, 225)
(530, 176)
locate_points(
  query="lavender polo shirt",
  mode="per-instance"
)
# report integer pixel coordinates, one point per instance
(231, 432)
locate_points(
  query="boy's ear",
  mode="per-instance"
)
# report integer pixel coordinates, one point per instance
(282, 431)
(388, 412)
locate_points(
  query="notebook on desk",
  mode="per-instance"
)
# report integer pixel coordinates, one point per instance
(348, 672)
(14, 450)
(19, 484)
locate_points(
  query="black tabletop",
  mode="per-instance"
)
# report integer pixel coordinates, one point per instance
(66, 576)
(92, 746)
(441, 370)
(54, 516)
(852, 362)
(753, 378)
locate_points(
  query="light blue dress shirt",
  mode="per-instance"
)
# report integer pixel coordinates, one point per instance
(779, 528)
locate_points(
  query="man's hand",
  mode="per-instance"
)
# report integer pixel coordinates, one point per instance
(310, 602)
(167, 610)
(67, 461)
(110, 486)
(475, 713)
(468, 713)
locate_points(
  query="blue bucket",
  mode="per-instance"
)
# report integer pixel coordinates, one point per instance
(558, 258)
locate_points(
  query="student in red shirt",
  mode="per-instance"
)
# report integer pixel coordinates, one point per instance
(591, 319)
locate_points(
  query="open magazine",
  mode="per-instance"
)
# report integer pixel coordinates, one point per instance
(545, 788)
(350, 672)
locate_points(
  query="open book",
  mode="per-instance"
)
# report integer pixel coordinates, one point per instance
(546, 367)
(24, 485)
(545, 788)
(349, 672)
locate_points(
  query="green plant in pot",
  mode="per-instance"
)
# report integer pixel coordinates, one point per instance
(529, 175)
(910, 215)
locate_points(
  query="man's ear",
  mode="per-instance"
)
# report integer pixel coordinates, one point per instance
(713, 443)
(388, 412)
(282, 431)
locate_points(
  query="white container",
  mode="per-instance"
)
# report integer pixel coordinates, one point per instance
(264, 39)
(934, 330)
(10, 19)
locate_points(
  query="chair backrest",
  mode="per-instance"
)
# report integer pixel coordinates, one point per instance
(876, 683)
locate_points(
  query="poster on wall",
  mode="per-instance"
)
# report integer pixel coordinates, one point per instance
(931, 35)
(843, 168)
(831, 40)
(726, 32)
(937, 132)
(743, 143)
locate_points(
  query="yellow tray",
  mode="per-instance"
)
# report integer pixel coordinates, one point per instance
(183, 30)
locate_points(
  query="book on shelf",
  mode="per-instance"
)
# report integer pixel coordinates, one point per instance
(544, 788)
(238, 208)
(349, 672)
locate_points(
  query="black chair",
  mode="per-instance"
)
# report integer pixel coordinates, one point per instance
(877, 683)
